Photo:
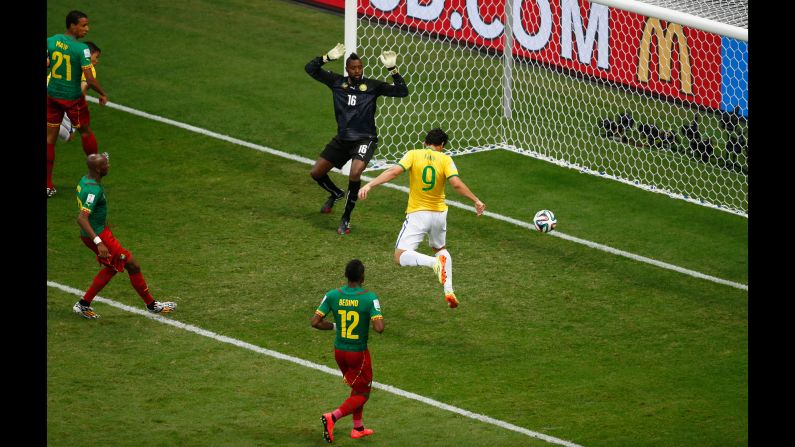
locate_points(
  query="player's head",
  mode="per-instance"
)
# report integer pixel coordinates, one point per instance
(77, 23)
(354, 271)
(354, 67)
(95, 51)
(437, 138)
(98, 164)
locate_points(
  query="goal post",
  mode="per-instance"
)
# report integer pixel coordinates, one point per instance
(645, 100)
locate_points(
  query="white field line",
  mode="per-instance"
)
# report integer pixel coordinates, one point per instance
(520, 223)
(308, 364)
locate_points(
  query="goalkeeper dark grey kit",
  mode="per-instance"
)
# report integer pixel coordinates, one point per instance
(355, 98)
(355, 102)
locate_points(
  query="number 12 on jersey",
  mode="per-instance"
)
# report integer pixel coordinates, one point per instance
(346, 330)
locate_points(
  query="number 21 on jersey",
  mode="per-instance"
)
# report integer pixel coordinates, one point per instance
(346, 328)
(59, 58)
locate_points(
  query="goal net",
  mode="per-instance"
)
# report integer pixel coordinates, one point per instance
(647, 101)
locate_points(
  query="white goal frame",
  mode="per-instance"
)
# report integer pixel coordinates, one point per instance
(387, 155)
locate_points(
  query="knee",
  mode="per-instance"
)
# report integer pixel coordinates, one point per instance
(133, 267)
(317, 172)
(356, 173)
(396, 257)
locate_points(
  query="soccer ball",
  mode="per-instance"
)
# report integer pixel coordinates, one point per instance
(545, 221)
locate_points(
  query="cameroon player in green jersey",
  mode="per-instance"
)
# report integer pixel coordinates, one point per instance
(67, 58)
(96, 235)
(352, 308)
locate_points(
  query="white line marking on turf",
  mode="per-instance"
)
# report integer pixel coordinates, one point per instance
(520, 223)
(308, 364)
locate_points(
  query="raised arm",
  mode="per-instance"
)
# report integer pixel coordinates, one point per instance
(398, 89)
(314, 67)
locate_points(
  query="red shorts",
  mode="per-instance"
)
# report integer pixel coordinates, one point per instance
(356, 369)
(75, 109)
(118, 255)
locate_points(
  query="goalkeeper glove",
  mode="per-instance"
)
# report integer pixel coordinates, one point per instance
(334, 53)
(389, 59)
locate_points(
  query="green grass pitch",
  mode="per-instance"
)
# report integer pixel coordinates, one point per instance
(551, 335)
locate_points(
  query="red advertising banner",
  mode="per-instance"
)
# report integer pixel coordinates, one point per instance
(589, 38)
(338, 4)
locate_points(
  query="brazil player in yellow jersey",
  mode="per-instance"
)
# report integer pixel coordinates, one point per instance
(426, 212)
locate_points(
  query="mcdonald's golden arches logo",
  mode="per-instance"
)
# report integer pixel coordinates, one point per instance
(665, 42)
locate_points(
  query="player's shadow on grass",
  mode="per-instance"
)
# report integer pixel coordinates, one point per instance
(323, 222)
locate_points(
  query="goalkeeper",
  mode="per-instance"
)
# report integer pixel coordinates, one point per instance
(354, 108)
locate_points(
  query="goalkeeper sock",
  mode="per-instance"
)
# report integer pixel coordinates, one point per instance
(326, 183)
(353, 196)
(411, 258)
(448, 268)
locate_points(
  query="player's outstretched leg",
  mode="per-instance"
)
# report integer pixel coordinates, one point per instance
(439, 268)
(445, 262)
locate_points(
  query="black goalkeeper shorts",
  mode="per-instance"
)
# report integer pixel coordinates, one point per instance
(338, 152)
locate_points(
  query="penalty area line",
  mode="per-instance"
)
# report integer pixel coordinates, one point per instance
(298, 361)
(511, 220)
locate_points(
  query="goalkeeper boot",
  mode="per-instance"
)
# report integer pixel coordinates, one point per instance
(84, 311)
(164, 307)
(51, 192)
(452, 301)
(356, 434)
(328, 427)
(329, 203)
(345, 226)
(438, 268)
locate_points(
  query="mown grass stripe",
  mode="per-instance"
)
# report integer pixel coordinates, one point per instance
(520, 223)
(335, 372)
